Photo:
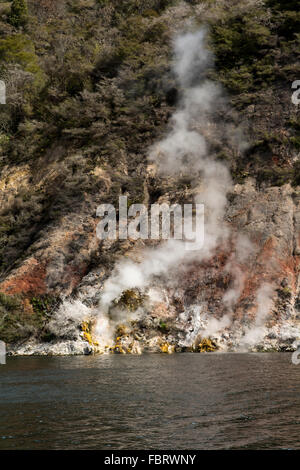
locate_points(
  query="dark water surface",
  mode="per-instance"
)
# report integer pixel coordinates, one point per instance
(182, 401)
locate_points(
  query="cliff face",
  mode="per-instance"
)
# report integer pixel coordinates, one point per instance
(90, 90)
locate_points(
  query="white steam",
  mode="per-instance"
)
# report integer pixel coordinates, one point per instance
(256, 332)
(214, 326)
(182, 151)
(130, 275)
(68, 316)
(185, 151)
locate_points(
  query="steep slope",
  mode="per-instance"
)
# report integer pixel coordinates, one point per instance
(90, 89)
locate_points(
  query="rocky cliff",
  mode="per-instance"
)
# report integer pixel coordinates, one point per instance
(93, 98)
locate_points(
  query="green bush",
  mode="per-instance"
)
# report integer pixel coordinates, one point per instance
(163, 326)
(283, 5)
(240, 39)
(19, 13)
(8, 303)
(18, 49)
(17, 323)
(296, 142)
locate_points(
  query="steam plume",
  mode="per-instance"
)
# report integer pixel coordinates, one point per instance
(255, 333)
(183, 151)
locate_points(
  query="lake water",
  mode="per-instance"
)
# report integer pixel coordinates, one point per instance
(153, 401)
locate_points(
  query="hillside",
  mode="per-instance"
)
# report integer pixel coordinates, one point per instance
(90, 89)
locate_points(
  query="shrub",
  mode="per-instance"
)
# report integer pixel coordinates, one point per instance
(163, 327)
(18, 321)
(19, 49)
(19, 13)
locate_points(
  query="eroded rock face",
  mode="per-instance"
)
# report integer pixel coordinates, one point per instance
(254, 281)
(244, 298)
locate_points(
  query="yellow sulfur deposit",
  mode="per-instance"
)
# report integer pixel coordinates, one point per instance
(86, 328)
(207, 345)
(167, 348)
(118, 349)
